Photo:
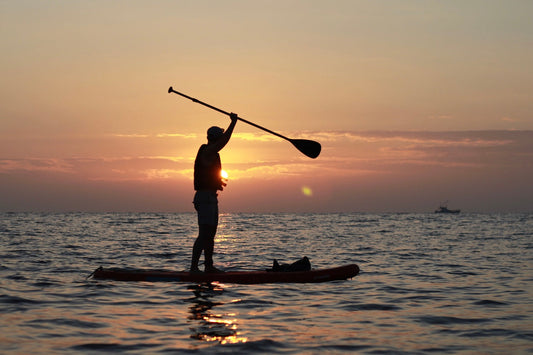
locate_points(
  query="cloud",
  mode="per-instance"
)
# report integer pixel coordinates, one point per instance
(414, 137)
(36, 165)
(177, 135)
(237, 135)
(351, 164)
(131, 135)
(156, 135)
(268, 171)
(349, 152)
(385, 152)
(255, 137)
(105, 168)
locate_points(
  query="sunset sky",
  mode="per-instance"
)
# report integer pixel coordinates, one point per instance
(414, 102)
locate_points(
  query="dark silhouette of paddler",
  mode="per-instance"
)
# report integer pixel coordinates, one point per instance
(207, 183)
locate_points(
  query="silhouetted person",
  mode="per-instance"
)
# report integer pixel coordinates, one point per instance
(207, 182)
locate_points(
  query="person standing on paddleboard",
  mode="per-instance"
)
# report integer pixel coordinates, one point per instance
(207, 183)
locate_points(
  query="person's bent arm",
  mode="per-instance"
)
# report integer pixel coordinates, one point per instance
(224, 139)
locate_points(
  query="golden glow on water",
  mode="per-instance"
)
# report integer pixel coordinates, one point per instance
(222, 330)
(428, 282)
(208, 325)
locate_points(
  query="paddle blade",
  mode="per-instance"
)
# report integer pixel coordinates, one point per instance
(309, 148)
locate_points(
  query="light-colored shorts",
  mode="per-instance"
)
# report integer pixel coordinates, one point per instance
(206, 204)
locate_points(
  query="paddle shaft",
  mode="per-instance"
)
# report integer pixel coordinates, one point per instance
(170, 89)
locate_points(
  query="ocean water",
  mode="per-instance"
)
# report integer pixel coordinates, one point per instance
(429, 283)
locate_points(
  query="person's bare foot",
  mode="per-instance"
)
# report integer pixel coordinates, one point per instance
(212, 270)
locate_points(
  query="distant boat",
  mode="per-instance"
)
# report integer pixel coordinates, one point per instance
(443, 208)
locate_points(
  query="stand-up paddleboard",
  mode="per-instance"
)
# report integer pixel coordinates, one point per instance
(237, 277)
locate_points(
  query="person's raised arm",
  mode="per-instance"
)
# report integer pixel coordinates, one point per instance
(221, 142)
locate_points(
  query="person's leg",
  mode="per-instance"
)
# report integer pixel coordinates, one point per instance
(207, 207)
(211, 231)
(197, 252)
(209, 245)
(204, 242)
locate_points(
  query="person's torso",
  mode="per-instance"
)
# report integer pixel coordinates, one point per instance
(207, 168)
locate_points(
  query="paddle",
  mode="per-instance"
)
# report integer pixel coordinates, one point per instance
(307, 147)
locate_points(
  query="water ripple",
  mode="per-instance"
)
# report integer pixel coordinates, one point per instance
(428, 283)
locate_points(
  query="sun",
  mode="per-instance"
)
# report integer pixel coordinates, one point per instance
(224, 174)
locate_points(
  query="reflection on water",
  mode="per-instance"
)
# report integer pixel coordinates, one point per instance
(429, 284)
(207, 324)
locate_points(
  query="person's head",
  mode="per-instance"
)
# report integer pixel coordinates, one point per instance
(214, 133)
